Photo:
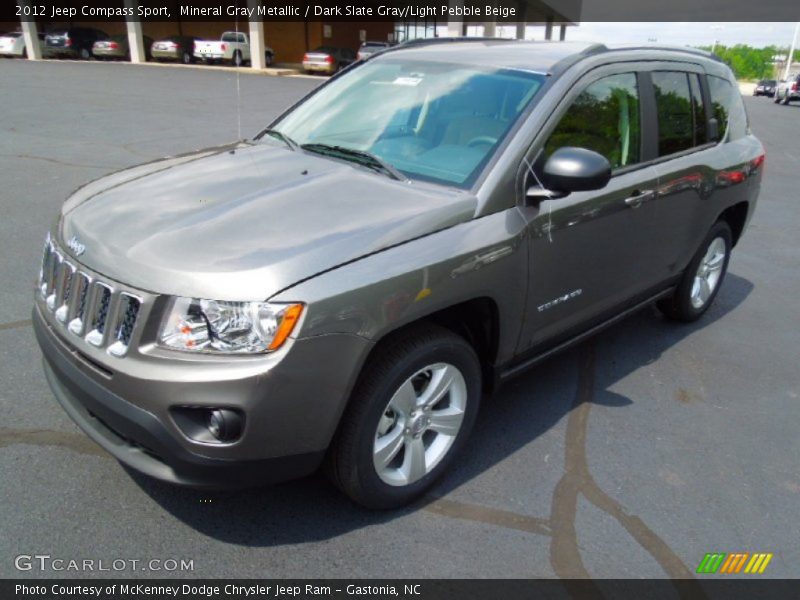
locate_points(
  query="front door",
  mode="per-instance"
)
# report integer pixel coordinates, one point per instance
(590, 251)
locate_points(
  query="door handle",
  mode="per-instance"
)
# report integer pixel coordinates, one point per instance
(639, 197)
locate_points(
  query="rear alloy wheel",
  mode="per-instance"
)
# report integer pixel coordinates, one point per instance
(85, 54)
(269, 58)
(186, 58)
(410, 414)
(702, 279)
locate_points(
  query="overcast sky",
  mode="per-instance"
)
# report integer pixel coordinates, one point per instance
(693, 34)
(683, 34)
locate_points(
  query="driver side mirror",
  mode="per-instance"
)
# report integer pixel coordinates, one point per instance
(571, 169)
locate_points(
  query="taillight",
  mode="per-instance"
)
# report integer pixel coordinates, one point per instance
(794, 86)
(113, 45)
(759, 161)
(305, 57)
(224, 47)
(172, 45)
(329, 59)
(68, 42)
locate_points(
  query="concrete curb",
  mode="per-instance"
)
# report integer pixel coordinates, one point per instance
(270, 72)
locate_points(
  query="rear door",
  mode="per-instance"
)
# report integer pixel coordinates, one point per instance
(688, 164)
(590, 251)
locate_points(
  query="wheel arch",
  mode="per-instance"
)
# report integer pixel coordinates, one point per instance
(736, 218)
(476, 320)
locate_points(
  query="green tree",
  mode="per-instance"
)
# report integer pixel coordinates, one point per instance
(747, 62)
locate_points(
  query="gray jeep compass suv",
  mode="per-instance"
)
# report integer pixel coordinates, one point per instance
(348, 285)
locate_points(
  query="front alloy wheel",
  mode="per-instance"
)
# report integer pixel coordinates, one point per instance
(409, 416)
(420, 424)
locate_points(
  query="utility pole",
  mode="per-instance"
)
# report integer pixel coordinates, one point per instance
(791, 52)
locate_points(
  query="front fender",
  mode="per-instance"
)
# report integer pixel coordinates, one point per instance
(482, 258)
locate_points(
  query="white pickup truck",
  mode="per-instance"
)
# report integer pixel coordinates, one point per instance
(232, 47)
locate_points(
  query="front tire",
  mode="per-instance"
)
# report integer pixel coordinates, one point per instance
(410, 414)
(703, 277)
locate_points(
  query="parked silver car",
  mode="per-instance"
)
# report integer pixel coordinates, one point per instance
(353, 282)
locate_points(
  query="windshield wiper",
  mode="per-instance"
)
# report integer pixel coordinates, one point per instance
(281, 136)
(361, 157)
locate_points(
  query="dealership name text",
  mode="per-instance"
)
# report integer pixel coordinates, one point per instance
(197, 591)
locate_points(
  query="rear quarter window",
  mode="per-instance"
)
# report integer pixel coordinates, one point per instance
(728, 108)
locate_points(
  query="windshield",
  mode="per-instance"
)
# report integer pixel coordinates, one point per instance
(434, 121)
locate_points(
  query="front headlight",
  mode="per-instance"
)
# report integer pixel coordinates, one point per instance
(227, 327)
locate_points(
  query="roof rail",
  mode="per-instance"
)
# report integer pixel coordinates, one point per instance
(448, 40)
(667, 48)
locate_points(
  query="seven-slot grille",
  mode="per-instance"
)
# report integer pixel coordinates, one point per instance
(87, 307)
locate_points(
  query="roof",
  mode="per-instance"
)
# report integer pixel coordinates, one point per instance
(525, 55)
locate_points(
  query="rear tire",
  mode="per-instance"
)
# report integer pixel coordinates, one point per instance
(186, 58)
(409, 416)
(85, 54)
(703, 277)
(237, 59)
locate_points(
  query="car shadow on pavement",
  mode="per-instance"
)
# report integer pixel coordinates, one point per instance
(311, 509)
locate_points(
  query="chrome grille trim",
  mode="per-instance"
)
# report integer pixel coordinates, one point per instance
(91, 309)
(66, 276)
(52, 279)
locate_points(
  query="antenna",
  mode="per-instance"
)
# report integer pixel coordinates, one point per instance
(238, 73)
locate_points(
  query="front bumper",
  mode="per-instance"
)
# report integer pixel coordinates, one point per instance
(292, 407)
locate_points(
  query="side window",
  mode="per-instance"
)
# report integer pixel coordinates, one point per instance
(675, 113)
(727, 108)
(604, 118)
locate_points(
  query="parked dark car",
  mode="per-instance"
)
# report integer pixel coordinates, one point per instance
(175, 48)
(73, 42)
(765, 87)
(117, 48)
(328, 59)
(367, 49)
(346, 288)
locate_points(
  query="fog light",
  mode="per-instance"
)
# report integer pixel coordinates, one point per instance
(209, 425)
(225, 425)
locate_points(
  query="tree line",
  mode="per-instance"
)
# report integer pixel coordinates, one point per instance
(747, 62)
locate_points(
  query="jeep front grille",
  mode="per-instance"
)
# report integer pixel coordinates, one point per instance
(88, 307)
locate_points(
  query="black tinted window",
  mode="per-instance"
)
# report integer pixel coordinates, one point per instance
(675, 114)
(604, 118)
(727, 108)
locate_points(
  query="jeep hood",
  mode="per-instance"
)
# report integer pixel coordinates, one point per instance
(246, 221)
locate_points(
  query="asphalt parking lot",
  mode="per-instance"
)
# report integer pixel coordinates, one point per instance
(631, 455)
